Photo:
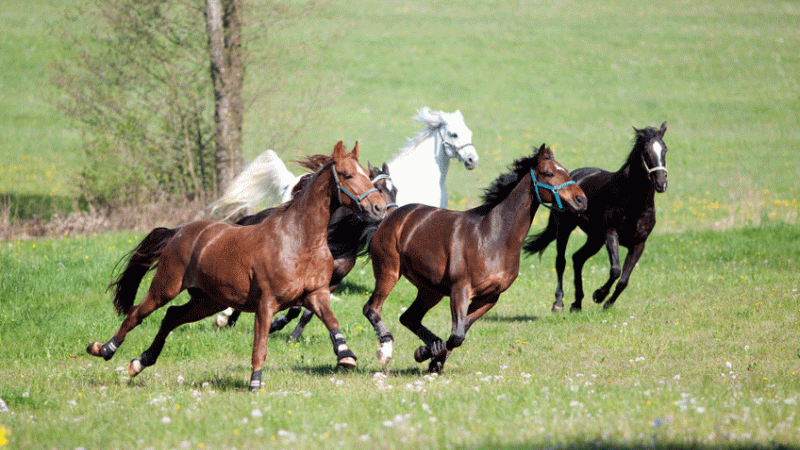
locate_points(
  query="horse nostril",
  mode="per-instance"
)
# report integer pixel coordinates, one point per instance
(378, 209)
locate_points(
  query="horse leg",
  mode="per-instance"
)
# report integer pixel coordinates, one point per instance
(301, 326)
(579, 258)
(412, 319)
(196, 309)
(163, 289)
(284, 320)
(261, 327)
(384, 283)
(223, 319)
(630, 262)
(561, 262)
(612, 245)
(319, 303)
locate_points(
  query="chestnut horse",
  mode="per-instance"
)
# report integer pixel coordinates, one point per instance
(621, 212)
(282, 262)
(348, 234)
(471, 256)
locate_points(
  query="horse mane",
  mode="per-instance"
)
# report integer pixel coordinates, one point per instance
(432, 121)
(641, 138)
(505, 183)
(314, 163)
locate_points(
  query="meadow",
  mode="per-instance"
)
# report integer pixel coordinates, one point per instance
(701, 351)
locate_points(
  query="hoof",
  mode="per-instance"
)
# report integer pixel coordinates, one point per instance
(384, 352)
(436, 366)
(383, 358)
(347, 362)
(135, 368)
(575, 309)
(422, 353)
(598, 296)
(556, 308)
(95, 349)
(221, 321)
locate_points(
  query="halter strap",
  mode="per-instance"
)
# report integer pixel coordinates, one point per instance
(448, 144)
(340, 189)
(553, 189)
(651, 170)
(383, 176)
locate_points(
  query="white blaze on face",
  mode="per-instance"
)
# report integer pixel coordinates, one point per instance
(361, 171)
(657, 153)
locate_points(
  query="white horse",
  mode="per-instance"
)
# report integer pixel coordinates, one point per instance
(418, 170)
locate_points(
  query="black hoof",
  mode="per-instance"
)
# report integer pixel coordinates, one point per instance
(422, 353)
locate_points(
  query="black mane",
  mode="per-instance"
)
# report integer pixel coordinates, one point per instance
(505, 183)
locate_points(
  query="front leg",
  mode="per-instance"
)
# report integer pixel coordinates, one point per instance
(319, 303)
(261, 327)
(630, 263)
(612, 245)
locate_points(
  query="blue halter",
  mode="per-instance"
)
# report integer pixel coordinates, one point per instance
(553, 189)
(340, 189)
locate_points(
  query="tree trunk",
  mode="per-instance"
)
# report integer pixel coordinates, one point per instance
(224, 23)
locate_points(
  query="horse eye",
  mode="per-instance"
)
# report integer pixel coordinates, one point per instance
(454, 135)
(549, 174)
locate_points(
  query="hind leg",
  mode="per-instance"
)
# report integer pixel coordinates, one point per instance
(280, 322)
(412, 319)
(166, 286)
(630, 262)
(196, 309)
(612, 245)
(301, 326)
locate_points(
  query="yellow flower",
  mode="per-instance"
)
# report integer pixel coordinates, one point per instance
(3, 440)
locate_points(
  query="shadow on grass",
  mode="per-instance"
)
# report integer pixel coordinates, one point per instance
(520, 318)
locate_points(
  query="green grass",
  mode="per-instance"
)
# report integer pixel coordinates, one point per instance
(700, 351)
(574, 75)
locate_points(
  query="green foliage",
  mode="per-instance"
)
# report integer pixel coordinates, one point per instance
(138, 83)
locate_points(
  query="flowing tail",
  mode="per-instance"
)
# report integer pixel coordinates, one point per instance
(538, 242)
(141, 260)
(265, 177)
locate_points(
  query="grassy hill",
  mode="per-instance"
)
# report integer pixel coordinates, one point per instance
(576, 75)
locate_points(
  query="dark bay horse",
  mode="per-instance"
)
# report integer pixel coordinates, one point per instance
(284, 261)
(621, 212)
(471, 256)
(348, 234)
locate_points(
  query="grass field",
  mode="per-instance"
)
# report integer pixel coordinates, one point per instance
(701, 351)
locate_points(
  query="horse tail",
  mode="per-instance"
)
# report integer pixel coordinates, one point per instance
(141, 259)
(265, 177)
(538, 242)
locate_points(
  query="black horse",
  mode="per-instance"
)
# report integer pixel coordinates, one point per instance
(621, 212)
(348, 236)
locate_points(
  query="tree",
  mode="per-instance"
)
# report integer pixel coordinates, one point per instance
(224, 24)
(156, 88)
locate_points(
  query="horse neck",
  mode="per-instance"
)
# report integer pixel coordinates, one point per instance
(312, 209)
(511, 219)
(420, 172)
(634, 181)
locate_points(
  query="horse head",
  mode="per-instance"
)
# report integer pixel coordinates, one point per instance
(383, 183)
(353, 181)
(457, 139)
(654, 155)
(552, 183)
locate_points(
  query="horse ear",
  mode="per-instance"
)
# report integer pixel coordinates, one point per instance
(369, 167)
(385, 168)
(355, 150)
(663, 128)
(338, 150)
